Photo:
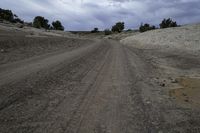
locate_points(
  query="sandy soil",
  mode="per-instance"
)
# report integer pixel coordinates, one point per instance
(32, 32)
(188, 91)
(101, 87)
(175, 53)
(182, 38)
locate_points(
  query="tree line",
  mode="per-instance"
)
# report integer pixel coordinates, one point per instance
(119, 27)
(38, 21)
(166, 23)
(9, 16)
(41, 22)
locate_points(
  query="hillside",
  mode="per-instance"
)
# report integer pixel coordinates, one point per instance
(183, 38)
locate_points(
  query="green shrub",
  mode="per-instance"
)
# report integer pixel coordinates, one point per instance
(6, 15)
(107, 31)
(41, 22)
(9, 16)
(118, 27)
(146, 27)
(57, 25)
(95, 30)
(129, 30)
(18, 20)
(166, 23)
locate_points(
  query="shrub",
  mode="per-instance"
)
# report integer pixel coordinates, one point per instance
(6, 15)
(57, 25)
(41, 22)
(129, 30)
(166, 23)
(18, 20)
(146, 27)
(107, 31)
(9, 16)
(118, 27)
(95, 30)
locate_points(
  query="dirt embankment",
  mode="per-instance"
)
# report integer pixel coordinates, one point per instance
(177, 52)
(18, 44)
(181, 38)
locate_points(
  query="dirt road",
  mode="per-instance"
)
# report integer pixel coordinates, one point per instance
(103, 87)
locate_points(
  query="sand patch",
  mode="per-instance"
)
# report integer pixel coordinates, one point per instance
(187, 91)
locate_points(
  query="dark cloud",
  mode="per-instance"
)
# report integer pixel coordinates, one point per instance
(87, 14)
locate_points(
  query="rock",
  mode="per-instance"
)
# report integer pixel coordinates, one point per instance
(162, 84)
(184, 94)
(174, 81)
(186, 100)
(20, 25)
(148, 102)
(2, 50)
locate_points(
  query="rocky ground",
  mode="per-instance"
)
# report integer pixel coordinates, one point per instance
(70, 84)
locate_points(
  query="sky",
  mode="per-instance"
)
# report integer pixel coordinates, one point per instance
(87, 14)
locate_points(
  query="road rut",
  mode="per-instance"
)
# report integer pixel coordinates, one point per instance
(100, 88)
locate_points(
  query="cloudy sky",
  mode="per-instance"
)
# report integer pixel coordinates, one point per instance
(87, 14)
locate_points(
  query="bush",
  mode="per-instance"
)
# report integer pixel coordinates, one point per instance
(107, 31)
(129, 30)
(146, 27)
(95, 30)
(9, 16)
(18, 20)
(41, 22)
(57, 25)
(6, 15)
(166, 23)
(118, 27)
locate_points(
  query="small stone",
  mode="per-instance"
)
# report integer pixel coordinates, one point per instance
(170, 78)
(148, 102)
(19, 25)
(174, 81)
(184, 94)
(186, 100)
(163, 84)
(2, 50)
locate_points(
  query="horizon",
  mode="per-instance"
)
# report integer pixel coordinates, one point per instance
(84, 15)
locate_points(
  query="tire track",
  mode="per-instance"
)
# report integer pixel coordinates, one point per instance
(53, 78)
(75, 122)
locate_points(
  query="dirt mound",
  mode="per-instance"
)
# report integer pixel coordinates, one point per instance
(31, 31)
(183, 38)
(22, 43)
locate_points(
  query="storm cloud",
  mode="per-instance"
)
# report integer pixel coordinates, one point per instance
(87, 14)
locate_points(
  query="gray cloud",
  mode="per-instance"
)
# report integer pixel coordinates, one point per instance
(87, 14)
